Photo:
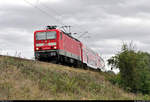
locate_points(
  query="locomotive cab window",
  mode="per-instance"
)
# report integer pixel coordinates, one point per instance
(51, 35)
(45, 35)
(40, 36)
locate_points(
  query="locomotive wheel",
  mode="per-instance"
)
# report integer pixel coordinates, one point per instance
(62, 60)
(79, 64)
(57, 59)
(38, 59)
(85, 66)
(99, 70)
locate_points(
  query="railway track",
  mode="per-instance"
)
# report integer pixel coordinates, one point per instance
(24, 59)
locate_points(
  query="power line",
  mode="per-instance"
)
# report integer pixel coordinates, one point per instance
(64, 27)
(54, 11)
(68, 28)
(83, 34)
(51, 9)
(41, 10)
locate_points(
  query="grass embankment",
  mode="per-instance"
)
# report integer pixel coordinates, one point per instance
(24, 79)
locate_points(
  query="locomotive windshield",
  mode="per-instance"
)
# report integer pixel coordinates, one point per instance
(45, 35)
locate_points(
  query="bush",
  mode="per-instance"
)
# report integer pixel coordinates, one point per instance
(115, 79)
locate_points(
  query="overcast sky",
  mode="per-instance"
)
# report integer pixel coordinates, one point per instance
(108, 22)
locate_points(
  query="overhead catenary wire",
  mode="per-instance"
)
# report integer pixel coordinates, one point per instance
(44, 12)
(64, 26)
(54, 11)
(58, 14)
(52, 16)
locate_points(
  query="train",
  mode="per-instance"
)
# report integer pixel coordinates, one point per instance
(52, 44)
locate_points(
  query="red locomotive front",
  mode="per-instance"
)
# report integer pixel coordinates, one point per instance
(55, 44)
(45, 43)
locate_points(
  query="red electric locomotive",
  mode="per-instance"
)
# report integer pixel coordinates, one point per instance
(55, 45)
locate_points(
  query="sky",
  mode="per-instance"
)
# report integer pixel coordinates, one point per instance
(109, 23)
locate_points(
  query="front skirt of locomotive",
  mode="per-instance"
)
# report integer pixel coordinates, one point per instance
(46, 54)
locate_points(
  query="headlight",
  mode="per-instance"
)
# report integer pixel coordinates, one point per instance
(37, 48)
(55, 47)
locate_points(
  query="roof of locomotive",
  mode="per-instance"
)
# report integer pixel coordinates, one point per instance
(68, 34)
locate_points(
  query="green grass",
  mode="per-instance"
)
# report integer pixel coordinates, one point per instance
(24, 79)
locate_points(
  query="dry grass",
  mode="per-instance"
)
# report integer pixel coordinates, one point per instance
(25, 79)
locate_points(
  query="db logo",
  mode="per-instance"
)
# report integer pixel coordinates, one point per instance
(45, 48)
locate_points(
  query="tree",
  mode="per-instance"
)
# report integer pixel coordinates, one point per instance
(134, 68)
